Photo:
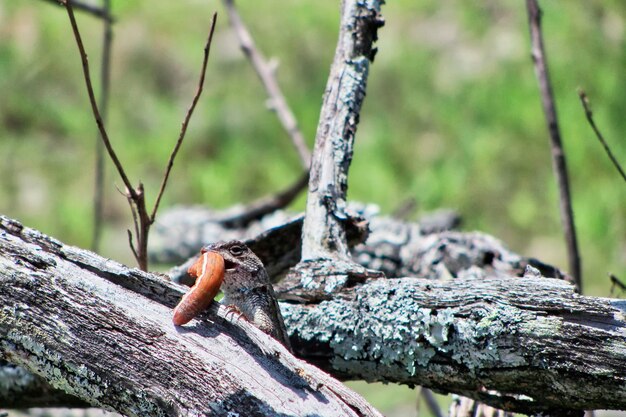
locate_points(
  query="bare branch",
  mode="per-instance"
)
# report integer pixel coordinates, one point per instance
(131, 244)
(183, 129)
(136, 196)
(102, 13)
(99, 313)
(616, 282)
(431, 402)
(266, 74)
(92, 99)
(503, 341)
(558, 154)
(585, 102)
(105, 77)
(266, 205)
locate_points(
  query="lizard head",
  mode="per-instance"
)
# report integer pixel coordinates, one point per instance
(238, 258)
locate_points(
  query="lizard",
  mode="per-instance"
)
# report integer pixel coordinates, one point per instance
(247, 288)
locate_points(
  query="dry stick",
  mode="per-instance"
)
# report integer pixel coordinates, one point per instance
(183, 129)
(431, 402)
(267, 204)
(102, 13)
(558, 155)
(286, 117)
(615, 282)
(105, 77)
(92, 99)
(136, 197)
(585, 102)
(266, 74)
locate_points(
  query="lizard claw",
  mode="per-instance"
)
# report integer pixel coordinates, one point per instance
(234, 311)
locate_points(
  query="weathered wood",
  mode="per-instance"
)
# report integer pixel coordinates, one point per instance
(323, 235)
(395, 247)
(103, 333)
(21, 389)
(519, 344)
(70, 317)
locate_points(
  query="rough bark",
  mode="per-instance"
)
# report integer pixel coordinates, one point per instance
(323, 234)
(519, 344)
(426, 249)
(180, 232)
(21, 389)
(102, 332)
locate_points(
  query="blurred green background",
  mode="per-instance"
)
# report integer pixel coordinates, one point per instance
(452, 117)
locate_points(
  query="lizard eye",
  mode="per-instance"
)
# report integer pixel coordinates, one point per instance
(236, 250)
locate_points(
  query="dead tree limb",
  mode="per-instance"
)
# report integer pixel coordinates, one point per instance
(558, 154)
(394, 247)
(520, 344)
(265, 73)
(323, 235)
(103, 333)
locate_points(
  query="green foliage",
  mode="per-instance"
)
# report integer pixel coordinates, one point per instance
(452, 117)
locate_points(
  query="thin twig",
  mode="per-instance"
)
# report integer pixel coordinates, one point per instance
(92, 99)
(265, 72)
(183, 130)
(585, 102)
(135, 196)
(431, 402)
(266, 205)
(102, 13)
(105, 77)
(558, 155)
(131, 244)
(616, 282)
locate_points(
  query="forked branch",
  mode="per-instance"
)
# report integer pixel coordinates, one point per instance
(136, 196)
(183, 129)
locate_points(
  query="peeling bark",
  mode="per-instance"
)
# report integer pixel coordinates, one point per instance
(426, 249)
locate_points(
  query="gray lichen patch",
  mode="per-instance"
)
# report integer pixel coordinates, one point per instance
(477, 342)
(14, 378)
(386, 333)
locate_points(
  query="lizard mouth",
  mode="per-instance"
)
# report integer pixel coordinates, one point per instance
(229, 266)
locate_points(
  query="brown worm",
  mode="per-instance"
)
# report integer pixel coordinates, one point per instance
(209, 273)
